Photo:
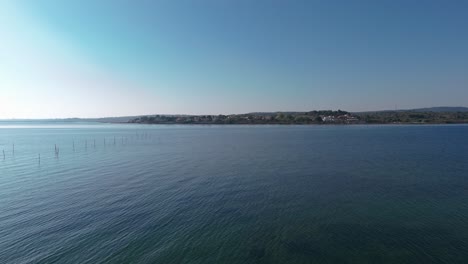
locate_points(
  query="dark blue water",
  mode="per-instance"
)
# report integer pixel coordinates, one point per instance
(233, 194)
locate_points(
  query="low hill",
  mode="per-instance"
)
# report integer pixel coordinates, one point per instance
(442, 109)
(439, 109)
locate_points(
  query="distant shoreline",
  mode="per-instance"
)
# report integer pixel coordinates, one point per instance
(279, 124)
(433, 115)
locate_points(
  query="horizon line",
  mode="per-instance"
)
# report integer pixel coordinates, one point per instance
(252, 112)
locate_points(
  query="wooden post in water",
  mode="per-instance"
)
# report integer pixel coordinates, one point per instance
(57, 150)
(3, 154)
(94, 144)
(39, 158)
(114, 140)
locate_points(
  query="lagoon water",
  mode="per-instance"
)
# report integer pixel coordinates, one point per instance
(233, 194)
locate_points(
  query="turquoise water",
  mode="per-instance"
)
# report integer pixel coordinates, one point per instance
(233, 194)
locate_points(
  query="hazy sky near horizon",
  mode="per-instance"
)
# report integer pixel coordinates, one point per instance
(93, 58)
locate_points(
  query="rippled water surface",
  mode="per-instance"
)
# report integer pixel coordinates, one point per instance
(233, 194)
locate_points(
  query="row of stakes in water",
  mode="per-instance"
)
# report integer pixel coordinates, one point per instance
(57, 149)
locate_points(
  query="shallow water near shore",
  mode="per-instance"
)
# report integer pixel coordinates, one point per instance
(233, 194)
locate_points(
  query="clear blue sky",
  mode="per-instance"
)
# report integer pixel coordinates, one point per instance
(92, 58)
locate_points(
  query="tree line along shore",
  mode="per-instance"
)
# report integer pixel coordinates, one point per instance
(312, 117)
